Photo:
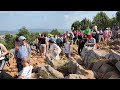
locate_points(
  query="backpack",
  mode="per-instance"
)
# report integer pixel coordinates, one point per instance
(17, 48)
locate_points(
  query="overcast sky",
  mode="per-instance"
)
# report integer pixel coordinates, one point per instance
(13, 20)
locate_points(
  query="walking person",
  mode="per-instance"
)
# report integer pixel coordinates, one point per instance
(55, 50)
(23, 50)
(43, 43)
(95, 35)
(39, 43)
(67, 47)
(81, 43)
(101, 36)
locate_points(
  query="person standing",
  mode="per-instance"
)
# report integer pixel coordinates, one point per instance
(81, 43)
(39, 43)
(95, 35)
(43, 43)
(100, 35)
(23, 50)
(55, 50)
(67, 48)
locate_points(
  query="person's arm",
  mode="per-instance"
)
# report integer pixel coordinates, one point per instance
(4, 49)
(46, 41)
(29, 50)
(69, 47)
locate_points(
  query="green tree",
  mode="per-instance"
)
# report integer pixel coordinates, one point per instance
(76, 25)
(9, 41)
(32, 37)
(112, 22)
(118, 17)
(84, 23)
(101, 20)
(24, 32)
(46, 33)
(55, 32)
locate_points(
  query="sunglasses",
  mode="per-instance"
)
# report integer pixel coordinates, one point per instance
(24, 40)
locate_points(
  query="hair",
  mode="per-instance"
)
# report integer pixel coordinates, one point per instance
(16, 39)
(42, 35)
(26, 59)
(54, 36)
(45, 35)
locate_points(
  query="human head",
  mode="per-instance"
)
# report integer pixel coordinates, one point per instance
(51, 41)
(95, 27)
(90, 36)
(39, 34)
(22, 40)
(25, 61)
(42, 35)
(45, 35)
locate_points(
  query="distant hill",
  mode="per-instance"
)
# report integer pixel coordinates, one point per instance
(33, 30)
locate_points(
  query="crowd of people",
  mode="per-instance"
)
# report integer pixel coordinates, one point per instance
(55, 46)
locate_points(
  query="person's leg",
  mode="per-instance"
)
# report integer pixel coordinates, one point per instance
(41, 49)
(19, 65)
(79, 49)
(44, 49)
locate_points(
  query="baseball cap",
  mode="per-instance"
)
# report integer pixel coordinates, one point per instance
(21, 38)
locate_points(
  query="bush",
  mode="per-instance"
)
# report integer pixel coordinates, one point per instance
(55, 32)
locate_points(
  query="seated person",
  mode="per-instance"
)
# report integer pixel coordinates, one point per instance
(26, 72)
(91, 42)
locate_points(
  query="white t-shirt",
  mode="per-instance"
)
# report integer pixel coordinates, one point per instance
(54, 47)
(26, 72)
(67, 47)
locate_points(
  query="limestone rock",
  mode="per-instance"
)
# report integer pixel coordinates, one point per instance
(110, 74)
(98, 64)
(113, 55)
(47, 72)
(72, 66)
(75, 76)
(118, 65)
(105, 68)
(92, 56)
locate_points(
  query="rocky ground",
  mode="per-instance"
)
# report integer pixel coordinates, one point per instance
(103, 63)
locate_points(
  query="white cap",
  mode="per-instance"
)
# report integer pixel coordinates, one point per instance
(21, 38)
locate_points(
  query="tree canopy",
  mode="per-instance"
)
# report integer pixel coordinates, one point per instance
(55, 32)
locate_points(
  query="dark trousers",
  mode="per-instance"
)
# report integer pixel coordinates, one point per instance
(80, 48)
(19, 65)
